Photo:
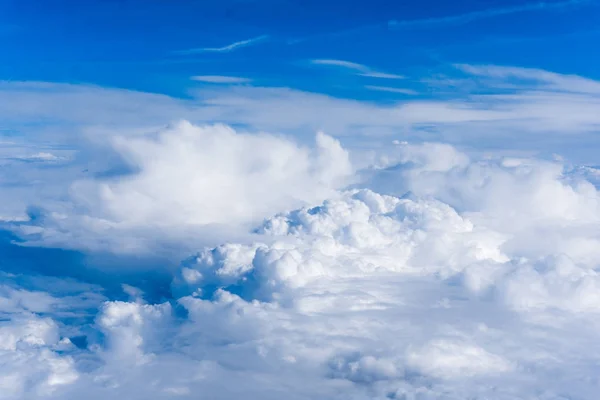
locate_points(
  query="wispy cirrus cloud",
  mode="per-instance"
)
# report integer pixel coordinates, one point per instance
(359, 69)
(391, 89)
(225, 49)
(483, 14)
(542, 79)
(220, 79)
(340, 63)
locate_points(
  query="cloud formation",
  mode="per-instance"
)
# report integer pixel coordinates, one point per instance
(427, 280)
(188, 177)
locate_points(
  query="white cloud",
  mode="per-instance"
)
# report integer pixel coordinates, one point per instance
(447, 359)
(41, 156)
(341, 63)
(391, 89)
(225, 49)
(132, 331)
(206, 175)
(29, 364)
(382, 75)
(219, 79)
(360, 69)
(32, 359)
(188, 177)
(543, 79)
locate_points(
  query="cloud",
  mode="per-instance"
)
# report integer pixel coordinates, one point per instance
(41, 156)
(535, 78)
(427, 279)
(219, 79)
(497, 225)
(32, 341)
(225, 49)
(188, 177)
(341, 63)
(28, 363)
(483, 14)
(221, 167)
(476, 105)
(391, 89)
(360, 69)
(382, 75)
(446, 359)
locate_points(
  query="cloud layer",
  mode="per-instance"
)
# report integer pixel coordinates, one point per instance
(146, 260)
(426, 281)
(501, 108)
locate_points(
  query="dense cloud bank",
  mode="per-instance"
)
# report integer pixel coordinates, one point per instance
(428, 275)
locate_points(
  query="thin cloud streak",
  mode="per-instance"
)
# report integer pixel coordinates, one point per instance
(382, 75)
(360, 69)
(219, 79)
(225, 49)
(391, 89)
(478, 15)
(341, 63)
(542, 79)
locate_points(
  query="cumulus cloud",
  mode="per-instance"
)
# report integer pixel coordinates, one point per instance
(204, 175)
(30, 363)
(33, 339)
(433, 282)
(190, 176)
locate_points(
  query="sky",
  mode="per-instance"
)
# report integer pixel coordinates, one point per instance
(156, 46)
(259, 199)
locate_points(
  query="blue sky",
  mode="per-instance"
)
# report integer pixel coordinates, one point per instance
(141, 44)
